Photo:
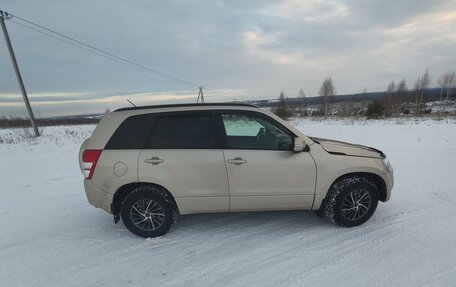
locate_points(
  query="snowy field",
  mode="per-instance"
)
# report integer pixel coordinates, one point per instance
(51, 236)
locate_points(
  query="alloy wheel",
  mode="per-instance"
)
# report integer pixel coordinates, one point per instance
(147, 214)
(356, 204)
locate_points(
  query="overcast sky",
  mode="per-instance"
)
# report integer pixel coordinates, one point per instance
(235, 49)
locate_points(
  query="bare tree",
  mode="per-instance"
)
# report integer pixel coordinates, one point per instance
(364, 99)
(327, 91)
(345, 108)
(425, 82)
(401, 95)
(390, 90)
(302, 97)
(417, 94)
(441, 82)
(446, 82)
(451, 83)
(421, 84)
(282, 110)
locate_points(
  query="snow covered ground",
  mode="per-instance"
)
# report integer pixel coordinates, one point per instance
(51, 236)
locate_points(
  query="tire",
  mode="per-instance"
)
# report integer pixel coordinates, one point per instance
(351, 201)
(148, 211)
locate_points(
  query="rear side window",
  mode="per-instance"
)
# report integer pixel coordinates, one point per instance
(132, 133)
(184, 132)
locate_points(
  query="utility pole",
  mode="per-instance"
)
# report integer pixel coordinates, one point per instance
(200, 95)
(4, 16)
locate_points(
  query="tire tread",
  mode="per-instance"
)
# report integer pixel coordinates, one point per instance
(156, 191)
(334, 192)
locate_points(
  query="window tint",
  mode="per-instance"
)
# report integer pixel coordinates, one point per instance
(254, 132)
(131, 134)
(184, 132)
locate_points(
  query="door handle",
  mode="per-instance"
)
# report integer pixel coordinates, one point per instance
(237, 161)
(154, 160)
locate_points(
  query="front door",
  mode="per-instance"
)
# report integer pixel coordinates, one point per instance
(263, 172)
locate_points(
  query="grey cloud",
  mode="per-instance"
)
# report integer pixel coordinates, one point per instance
(207, 42)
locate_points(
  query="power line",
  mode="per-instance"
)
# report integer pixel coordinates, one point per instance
(95, 50)
(77, 46)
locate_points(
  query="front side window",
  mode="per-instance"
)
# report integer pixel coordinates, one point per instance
(183, 132)
(244, 131)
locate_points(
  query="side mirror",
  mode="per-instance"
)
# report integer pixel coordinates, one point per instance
(299, 145)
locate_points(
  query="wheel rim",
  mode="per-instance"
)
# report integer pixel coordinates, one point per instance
(356, 204)
(147, 214)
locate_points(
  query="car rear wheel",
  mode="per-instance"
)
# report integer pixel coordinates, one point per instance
(147, 212)
(351, 201)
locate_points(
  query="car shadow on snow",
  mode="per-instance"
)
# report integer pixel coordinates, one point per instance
(229, 224)
(249, 222)
(213, 225)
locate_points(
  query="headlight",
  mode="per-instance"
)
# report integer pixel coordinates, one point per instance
(387, 164)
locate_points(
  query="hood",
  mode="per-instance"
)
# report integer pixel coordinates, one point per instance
(348, 149)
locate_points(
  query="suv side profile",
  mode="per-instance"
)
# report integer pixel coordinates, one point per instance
(147, 165)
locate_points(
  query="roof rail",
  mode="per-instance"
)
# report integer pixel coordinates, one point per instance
(185, 105)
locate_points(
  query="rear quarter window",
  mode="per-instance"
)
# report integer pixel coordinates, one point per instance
(132, 133)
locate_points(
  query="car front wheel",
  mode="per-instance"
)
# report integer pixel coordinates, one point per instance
(351, 201)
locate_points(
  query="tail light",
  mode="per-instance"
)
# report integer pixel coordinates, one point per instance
(89, 161)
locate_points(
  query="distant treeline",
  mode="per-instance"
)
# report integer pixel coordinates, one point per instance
(432, 94)
(383, 103)
(17, 122)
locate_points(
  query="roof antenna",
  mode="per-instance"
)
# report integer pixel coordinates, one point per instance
(200, 95)
(131, 103)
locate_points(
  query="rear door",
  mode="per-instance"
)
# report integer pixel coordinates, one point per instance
(184, 155)
(263, 172)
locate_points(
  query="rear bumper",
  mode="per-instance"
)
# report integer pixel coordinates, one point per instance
(98, 197)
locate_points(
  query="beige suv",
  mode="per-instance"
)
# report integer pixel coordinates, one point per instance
(149, 164)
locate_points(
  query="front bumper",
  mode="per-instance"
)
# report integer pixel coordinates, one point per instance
(389, 182)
